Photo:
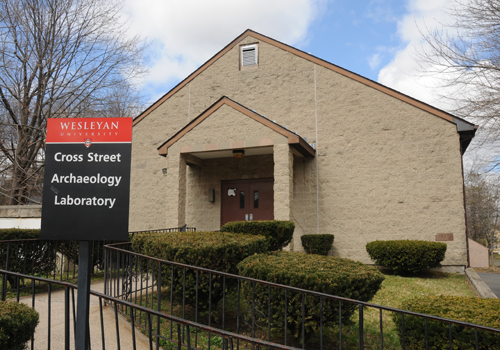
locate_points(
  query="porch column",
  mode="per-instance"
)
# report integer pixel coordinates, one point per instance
(283, 181)
(176, 189)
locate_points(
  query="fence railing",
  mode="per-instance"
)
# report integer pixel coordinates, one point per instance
(105, 324)
(280, 314)
(56, 260)
(164, 299)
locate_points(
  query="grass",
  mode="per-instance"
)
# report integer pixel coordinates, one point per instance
(395, 290)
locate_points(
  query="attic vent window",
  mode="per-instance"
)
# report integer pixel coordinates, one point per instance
(249, 55)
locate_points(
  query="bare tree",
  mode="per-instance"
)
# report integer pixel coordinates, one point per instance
(58, 58)
(483, 209)
(465, 56)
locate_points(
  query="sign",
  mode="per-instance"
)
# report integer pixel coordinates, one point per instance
(86, 184)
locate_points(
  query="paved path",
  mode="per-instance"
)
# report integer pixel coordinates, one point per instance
(492, 280)
(57, 323)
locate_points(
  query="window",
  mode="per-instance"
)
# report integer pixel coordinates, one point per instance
(249, 55)
(242, 200)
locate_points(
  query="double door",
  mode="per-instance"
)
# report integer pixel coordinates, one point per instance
(247, 200)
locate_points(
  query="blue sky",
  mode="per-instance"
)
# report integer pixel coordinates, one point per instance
(373, 38)
(378, 39)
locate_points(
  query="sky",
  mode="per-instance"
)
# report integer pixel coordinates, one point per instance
(373, 38)
(378, 39)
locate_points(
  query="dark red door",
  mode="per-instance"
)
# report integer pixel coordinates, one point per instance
(247, 200)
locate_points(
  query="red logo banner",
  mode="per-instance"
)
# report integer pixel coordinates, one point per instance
(89, 130)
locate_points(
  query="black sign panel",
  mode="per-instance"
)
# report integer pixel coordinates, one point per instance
(86, 191)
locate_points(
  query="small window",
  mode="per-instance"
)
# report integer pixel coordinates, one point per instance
(242, 200)
(256, 199)
(249, 55)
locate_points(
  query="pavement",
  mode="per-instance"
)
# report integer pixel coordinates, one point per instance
(492, 280)
(55, 328)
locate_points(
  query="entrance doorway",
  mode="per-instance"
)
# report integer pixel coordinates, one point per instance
(247, 200)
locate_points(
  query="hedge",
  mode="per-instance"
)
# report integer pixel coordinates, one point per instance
(317, 244)
(220, 251)
(325, 274)
(38, 257)
(484, 312)
(407, 256)
(278, 233)
(17, 325)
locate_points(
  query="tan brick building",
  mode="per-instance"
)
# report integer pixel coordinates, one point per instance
(331, 150)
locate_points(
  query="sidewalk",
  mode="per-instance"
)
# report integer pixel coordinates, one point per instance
(492, 280)
(57, 323)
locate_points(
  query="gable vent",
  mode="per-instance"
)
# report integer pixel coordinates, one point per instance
(248, 55)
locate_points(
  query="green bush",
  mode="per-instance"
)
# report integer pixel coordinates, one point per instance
(17, 325)
(317, 244)
(8, 234)
(218, 251)
(407, 256)
(278, 233)
(473, 310)
(325, 274)
(38, 257)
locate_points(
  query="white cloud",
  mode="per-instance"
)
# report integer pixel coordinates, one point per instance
(404, 73)
(188, 32)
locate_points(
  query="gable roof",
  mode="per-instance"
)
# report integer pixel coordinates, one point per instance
(410, 100)
(294, 140)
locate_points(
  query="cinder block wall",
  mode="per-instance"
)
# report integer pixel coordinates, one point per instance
(384, 169)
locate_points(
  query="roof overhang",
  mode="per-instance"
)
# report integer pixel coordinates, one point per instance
(298, 143)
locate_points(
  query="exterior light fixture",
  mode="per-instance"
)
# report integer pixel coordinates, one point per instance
(164, 171)
(238, 153)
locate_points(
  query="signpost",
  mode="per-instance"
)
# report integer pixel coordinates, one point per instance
(86, 192)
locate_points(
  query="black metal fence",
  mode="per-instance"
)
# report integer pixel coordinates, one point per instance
(56, 260)
(107, 326)
(251, 307)
(181, 306)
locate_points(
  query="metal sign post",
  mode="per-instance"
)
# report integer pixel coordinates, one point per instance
(82, 337)
(86, 193)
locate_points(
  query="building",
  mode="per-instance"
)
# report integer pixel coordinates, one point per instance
(331, 150)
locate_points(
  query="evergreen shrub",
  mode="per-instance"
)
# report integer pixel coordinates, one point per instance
(317, 244)
(407, 256)
(278, 233)
(220, 251)
(17, 325)
(473, 310)
(30, 257)
(325, 274)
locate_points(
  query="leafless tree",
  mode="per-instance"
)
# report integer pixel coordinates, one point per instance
(59, 58)
(483, 209)
(465, 56)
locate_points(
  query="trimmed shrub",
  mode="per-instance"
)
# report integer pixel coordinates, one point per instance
(473, 310)
(325, 274)
(278, 233)
(17, 325)
(38, 257)
(8, 234)
(407, 256)
(218, 251)
(317, 244)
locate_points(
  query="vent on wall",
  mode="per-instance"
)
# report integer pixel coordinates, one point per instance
(249, 55)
